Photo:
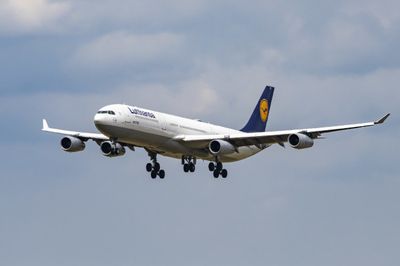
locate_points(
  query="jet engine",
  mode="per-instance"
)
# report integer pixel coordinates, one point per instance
(72, 144)
(300, 141)
(111, 149)
(217, 147)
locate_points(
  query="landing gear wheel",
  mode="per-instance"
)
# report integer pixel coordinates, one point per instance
(211, 166)
(154, 167)
(192, 167)
(186, 168)
(149, 167)
(153, 174)
(219, 166)
(157, 167)
(218, 169)
(189, 163)
(216, 174)
(161, 174)
(224, 173)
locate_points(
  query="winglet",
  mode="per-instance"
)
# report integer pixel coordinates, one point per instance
(45, 125)
(380, 121)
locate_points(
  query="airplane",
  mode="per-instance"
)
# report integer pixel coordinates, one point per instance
(122, 126)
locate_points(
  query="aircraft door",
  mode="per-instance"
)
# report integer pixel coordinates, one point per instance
(163, 123)
(115, 117)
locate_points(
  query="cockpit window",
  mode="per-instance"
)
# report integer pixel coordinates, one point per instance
(106, 112)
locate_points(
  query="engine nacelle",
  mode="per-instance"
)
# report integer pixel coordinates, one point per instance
(300, 141)
(217, 147)
(72, 144)
(112, 149)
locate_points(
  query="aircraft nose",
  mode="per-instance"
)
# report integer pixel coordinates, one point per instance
(97, 119)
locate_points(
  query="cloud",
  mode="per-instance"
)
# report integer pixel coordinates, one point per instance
(121, 49)
(385, 12)
(196, 98)
(26, 16)
(331, 63)
(340, 38)
(152, 14)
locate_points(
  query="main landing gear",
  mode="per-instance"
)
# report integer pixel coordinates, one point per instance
(154, 167)
(189, 164)
(217, 169)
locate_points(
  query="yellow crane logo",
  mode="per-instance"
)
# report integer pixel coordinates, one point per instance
(264, 110)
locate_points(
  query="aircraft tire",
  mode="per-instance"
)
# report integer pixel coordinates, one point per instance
(224, 173)
(216, 174)
(153, 174)
(157, 167)
(186, 168)
(192, 167)
(211, 166)
(219, 166)
(161, 174)
(149, 167)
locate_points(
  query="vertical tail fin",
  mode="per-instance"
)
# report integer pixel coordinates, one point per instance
(259, 118)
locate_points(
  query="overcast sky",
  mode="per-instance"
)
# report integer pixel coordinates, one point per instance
(331, 62)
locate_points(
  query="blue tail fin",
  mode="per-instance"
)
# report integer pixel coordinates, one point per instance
(259, 118)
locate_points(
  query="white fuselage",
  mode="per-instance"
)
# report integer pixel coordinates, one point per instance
(157, 132)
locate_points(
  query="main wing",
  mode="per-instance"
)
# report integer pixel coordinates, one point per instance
(272, 137)
(81, 135)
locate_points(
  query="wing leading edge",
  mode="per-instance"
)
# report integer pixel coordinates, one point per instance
(80, 135)
(274, 137)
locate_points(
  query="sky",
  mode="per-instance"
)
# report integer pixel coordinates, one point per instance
(332, 62)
